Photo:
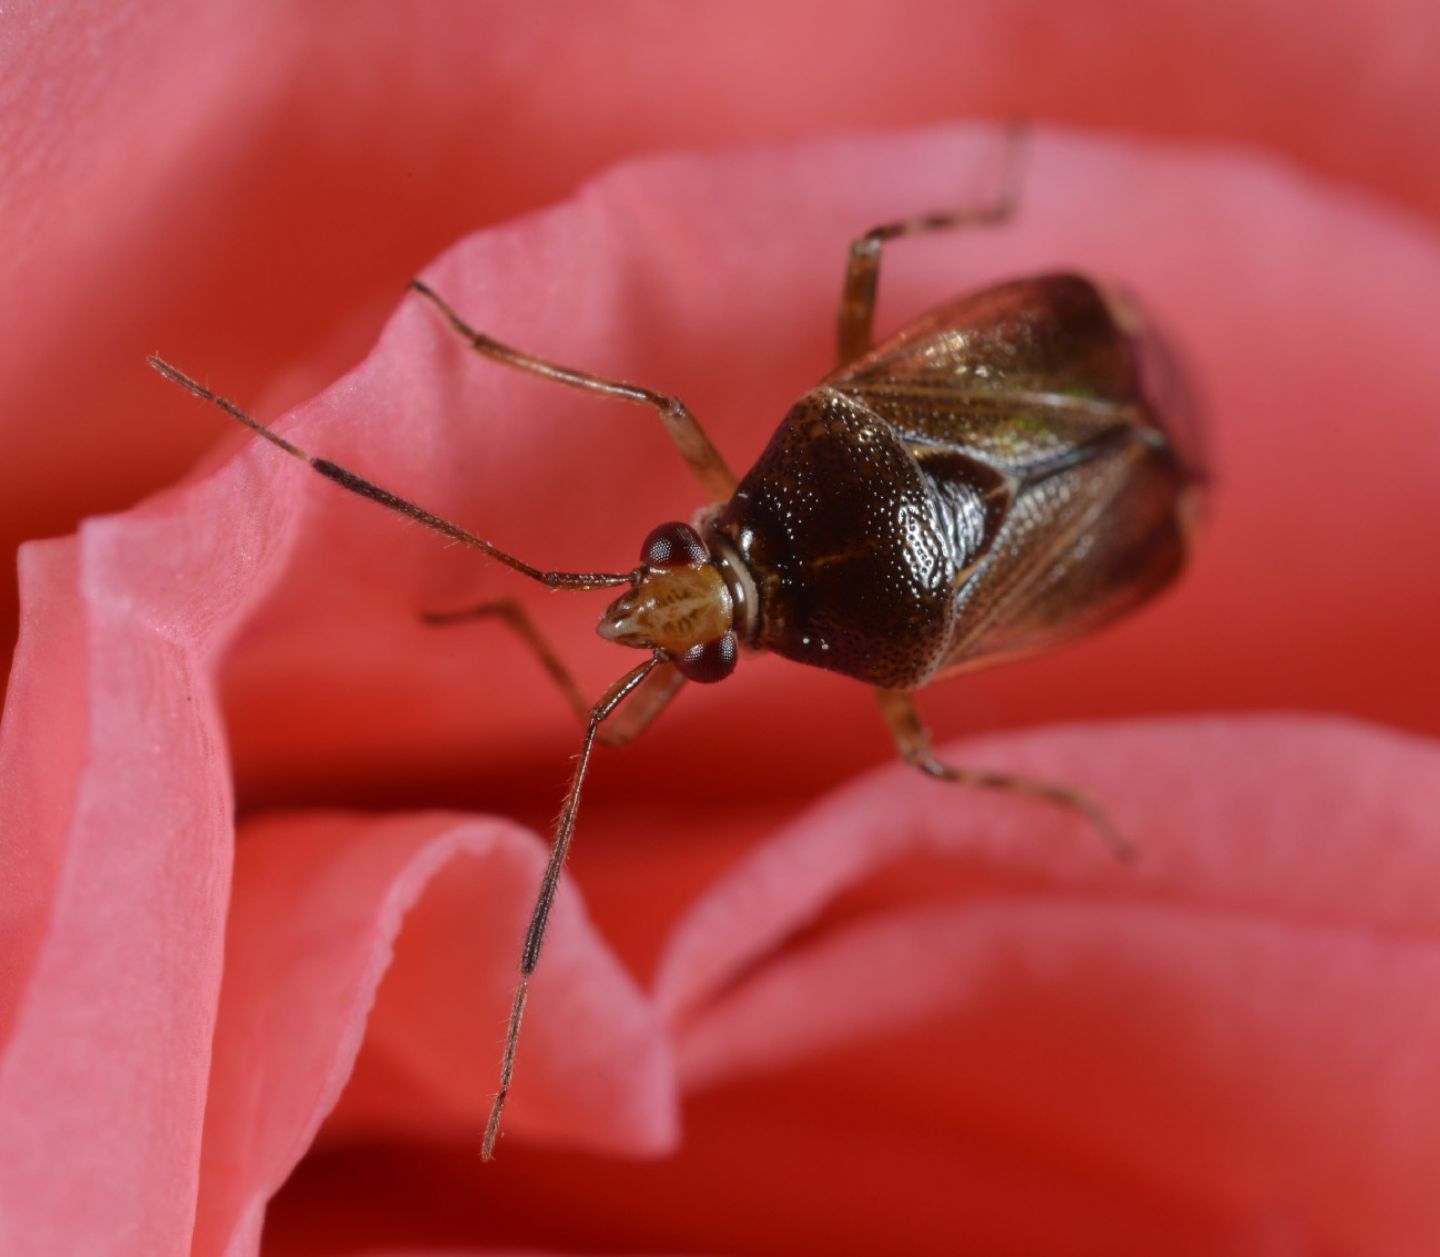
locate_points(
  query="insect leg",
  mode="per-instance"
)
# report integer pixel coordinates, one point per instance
(650, 698)
(510, 612)
(358, 485)
(695, 448)
(862, 270)
(559, 849)
(647, 702)
(912, 739)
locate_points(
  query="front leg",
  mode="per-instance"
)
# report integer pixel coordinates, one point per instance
(643, 705)
(700, 455)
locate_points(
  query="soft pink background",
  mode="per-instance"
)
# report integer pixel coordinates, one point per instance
(887, 1014)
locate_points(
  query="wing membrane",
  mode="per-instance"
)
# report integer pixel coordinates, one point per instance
(1078, 548)
(1018, 374)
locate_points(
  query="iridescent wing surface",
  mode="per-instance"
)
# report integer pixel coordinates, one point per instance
(1055, 386)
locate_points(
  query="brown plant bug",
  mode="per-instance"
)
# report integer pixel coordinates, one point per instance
(997, 478)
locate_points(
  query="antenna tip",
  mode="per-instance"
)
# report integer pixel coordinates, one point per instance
(173, 374)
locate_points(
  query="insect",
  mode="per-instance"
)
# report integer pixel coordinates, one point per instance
(993, 480)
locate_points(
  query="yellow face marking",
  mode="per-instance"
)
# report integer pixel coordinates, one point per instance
(672, 608)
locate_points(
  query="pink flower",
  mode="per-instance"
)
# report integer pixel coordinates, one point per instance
(784, 1007)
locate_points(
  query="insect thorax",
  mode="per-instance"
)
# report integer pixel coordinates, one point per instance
(854, 554)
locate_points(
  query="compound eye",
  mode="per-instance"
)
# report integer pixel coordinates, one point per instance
(673, 545)
(710, 661)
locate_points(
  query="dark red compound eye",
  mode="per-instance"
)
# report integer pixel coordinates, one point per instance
(710, 661)
(673, 545)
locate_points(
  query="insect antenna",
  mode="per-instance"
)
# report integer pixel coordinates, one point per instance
(540, 917)
(366, 489)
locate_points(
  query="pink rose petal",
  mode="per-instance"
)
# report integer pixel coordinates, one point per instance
(1241, 1018)
(107, 1056)
(41, 750)
(319, 903)
(1304, 312)
(992, 1035)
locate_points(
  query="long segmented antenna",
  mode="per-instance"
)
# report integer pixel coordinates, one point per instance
(609, 701)
(559, 849)
(366, 489)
